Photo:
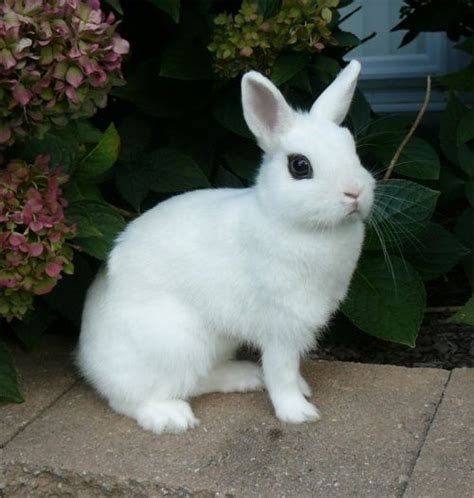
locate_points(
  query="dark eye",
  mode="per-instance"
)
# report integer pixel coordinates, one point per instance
(299, 167)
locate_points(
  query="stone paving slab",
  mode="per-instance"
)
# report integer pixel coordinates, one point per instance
(45, 374)
(374, 420)
(445, 467)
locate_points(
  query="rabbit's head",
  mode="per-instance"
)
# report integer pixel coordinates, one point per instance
(311, 173)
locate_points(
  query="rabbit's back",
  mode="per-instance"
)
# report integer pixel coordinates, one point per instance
(218, 252)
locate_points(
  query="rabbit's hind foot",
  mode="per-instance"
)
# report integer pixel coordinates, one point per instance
(232, 376)
(172, 416)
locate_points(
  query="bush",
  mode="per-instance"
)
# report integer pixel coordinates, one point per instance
(59, 59)
(181, 127)
(456, 132)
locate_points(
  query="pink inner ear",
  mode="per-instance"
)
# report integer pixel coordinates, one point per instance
(265, 106)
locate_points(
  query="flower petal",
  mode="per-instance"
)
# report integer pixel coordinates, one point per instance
(119, 45)
(74, 76)
(21, 94)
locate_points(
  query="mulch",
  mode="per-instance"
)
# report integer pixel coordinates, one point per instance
(439, 344)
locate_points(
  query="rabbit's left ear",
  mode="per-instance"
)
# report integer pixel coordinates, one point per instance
(334, 102)
(265, 109)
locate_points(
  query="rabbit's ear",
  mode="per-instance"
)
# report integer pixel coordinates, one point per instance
(334, 102)
(265, 110)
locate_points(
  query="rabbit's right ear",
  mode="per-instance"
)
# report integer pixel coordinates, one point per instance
(265, 109)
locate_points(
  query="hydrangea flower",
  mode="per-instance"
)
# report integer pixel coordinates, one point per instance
(33, 234)
(248, 41)
(58, 61)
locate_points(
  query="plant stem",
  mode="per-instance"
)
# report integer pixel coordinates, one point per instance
(413, 128)
(443, 309)
(126, 214)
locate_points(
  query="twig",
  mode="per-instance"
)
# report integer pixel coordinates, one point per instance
(123, 212)
(421, 113)
(342, 19)
(443, 309)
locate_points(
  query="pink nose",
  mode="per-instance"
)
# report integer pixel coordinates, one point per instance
(352, 194)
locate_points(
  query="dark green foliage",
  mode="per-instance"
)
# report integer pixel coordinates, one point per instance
(456, 138)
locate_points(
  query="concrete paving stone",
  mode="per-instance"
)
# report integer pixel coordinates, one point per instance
(445, 467)
(44, 375)
(365, 445)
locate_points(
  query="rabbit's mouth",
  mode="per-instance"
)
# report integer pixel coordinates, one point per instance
(353, 211)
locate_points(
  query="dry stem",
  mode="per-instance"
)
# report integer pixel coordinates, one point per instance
(413, 128)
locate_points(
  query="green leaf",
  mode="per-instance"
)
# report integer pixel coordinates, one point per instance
(115, 4)
(135, 136)
(385, 304)
(465, 142)
(133, 181)
(462, 80)
(346, 39)
(80, 191)
(451, 185)
(244, 160)
(359, 113)
(435, 252)
(225, 179)
(60, 144)
(227, 110)
(171, 7)
(469, 190)
(9, 389)
(388, 127)
(68, 296)
(162, 97)
(417, 160)
(87, 133)
(183, 59)
(286, 66)
(196, 139)
(302, 82)
(31, 329)
(268, 8)
(102, 157)
(465, 131)
(324, 69)
(448, 127)
(467, 45)
(465, 314)
(465, 234)
(401, 211)
(98, 226)
(172, 171)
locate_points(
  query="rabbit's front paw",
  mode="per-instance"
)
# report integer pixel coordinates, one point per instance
(295, 410)
(304, 387)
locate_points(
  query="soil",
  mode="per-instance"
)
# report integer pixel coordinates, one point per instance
(439, 345)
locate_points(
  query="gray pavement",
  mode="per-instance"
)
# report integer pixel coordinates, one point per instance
(385, 431)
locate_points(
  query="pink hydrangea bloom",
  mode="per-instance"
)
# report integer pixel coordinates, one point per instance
(58, 61)
(34, 252)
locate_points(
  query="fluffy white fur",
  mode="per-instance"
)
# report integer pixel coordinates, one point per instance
(204, 272)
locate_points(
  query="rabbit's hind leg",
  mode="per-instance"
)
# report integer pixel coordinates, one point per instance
(231, 376)
(146, 359)
(173, 415)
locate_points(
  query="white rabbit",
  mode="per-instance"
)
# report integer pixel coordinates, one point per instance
(204, 272)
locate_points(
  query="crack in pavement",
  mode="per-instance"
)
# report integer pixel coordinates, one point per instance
(38, 415)
(424, 436)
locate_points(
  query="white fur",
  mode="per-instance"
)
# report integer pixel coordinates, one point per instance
(204, 272)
